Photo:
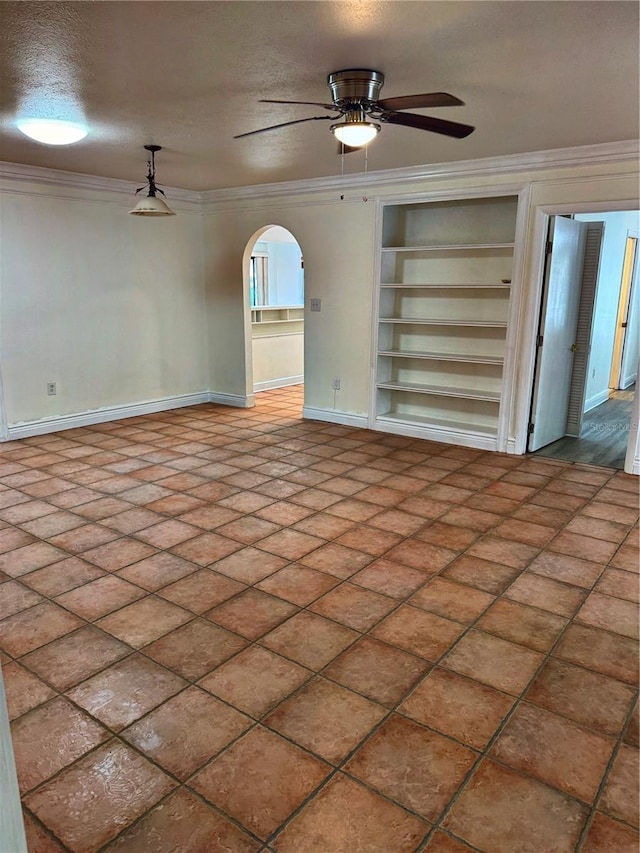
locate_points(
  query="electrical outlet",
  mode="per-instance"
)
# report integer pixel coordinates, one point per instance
(336, 385)
(315, 304)
(51, 389)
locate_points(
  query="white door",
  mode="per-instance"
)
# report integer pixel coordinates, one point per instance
(558, 322)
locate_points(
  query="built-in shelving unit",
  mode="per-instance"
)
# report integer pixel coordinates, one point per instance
(443, 314)
(276, 322)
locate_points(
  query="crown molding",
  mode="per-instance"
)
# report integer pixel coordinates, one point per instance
(20, 173)
(583, 155)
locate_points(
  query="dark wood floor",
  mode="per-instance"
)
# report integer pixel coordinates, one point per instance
(604, 436)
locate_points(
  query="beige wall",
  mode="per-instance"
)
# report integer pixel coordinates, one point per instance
(278, 359)
(108, 306)
(337, 241)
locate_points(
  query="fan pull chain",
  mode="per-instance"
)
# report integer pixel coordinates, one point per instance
(366, 166)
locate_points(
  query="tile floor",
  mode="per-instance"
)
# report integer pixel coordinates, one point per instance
(234, 630)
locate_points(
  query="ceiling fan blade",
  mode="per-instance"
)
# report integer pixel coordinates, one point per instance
(283, 124)
(435, 125)
(308, 103)
(416, 102)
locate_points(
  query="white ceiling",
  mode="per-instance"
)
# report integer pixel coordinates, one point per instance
(188, 76)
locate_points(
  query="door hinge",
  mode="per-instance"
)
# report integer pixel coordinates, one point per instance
(530, 429)
(548, 247)
(539, 341)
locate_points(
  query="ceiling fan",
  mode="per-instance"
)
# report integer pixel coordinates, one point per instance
(355, 94)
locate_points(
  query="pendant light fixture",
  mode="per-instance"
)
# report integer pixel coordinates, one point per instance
(152, 205)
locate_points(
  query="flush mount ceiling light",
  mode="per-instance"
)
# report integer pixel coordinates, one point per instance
(355, 131)
(52, 131)
(152, 205)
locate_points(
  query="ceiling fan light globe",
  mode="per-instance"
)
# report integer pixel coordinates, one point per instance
(355, 133)
(152, 206)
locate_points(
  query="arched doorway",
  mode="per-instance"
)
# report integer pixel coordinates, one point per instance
(273, 275)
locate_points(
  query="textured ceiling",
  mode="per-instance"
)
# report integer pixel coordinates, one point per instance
(188, 75)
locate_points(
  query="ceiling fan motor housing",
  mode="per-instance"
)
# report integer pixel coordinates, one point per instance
(355, 85)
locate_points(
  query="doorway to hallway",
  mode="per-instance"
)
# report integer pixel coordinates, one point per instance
(588, 346)
(274, 281)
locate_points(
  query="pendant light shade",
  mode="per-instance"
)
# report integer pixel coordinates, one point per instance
(151, 205)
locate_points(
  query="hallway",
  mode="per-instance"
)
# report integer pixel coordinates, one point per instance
(604, 436)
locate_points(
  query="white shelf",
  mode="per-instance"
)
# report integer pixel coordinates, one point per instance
(466, 425)
(424, 322)
(442, 391)
(272, 322)
(452, 247)
(444, 356)
(426, 286)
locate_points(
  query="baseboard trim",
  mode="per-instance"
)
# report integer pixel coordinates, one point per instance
(332, 416)
(278, 383)
(240, 401)
(100, 416)
(596, 400)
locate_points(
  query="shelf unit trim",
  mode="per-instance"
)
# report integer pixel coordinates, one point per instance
(442, 391)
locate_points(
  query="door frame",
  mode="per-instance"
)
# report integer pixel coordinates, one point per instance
(530, 320)
(627, 288)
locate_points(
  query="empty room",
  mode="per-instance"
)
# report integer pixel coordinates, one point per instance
(319, 446)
